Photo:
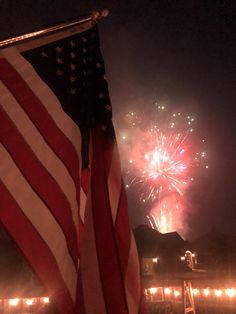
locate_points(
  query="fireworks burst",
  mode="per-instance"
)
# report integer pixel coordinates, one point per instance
(158, 158)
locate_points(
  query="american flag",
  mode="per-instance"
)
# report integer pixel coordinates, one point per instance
(62, 198)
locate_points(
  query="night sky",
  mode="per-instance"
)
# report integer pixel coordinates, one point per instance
(183, 51)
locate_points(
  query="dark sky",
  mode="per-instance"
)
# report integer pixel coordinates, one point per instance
(181, 50)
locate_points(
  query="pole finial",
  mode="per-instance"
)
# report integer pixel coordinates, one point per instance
(100, 13)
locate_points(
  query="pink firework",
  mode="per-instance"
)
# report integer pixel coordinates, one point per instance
(158, 156)
(161, 164)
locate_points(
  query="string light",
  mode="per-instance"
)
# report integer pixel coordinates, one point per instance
(153, 290)
(176, 293)
(29, 301)
(167, 291)
(14, 302)
(206, 292)
(45, 300)
(218, 292)
(155, 260)
(230, 292)
(20, 304)
(197, 292)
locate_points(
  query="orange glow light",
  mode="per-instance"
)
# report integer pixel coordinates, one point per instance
(206, 292)
(196, 291)
(46, 300)
(167, 291)
(153, 290)
(29, 301)
(176, 293)
(218, 293)
(230, 292)
(14, 302)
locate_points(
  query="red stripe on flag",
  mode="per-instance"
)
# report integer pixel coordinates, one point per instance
(122, 229)
(80, 307)
(123, 236)
(85, 180)
(84, 186)
(35, 250)
(107, 250)
(40, 180)
(55, 138)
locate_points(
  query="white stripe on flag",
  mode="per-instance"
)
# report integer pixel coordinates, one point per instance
(91, 280)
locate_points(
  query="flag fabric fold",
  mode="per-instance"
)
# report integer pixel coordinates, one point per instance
(62, 197)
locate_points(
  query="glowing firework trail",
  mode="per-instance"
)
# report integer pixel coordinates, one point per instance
(164, 165)
(162, 222)
(158, 158)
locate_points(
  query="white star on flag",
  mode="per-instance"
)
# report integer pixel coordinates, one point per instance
(72, 44)
(58, 49)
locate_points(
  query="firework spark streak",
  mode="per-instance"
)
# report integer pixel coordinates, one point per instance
(158, 158)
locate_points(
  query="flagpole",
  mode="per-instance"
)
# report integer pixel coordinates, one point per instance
(92, 17)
